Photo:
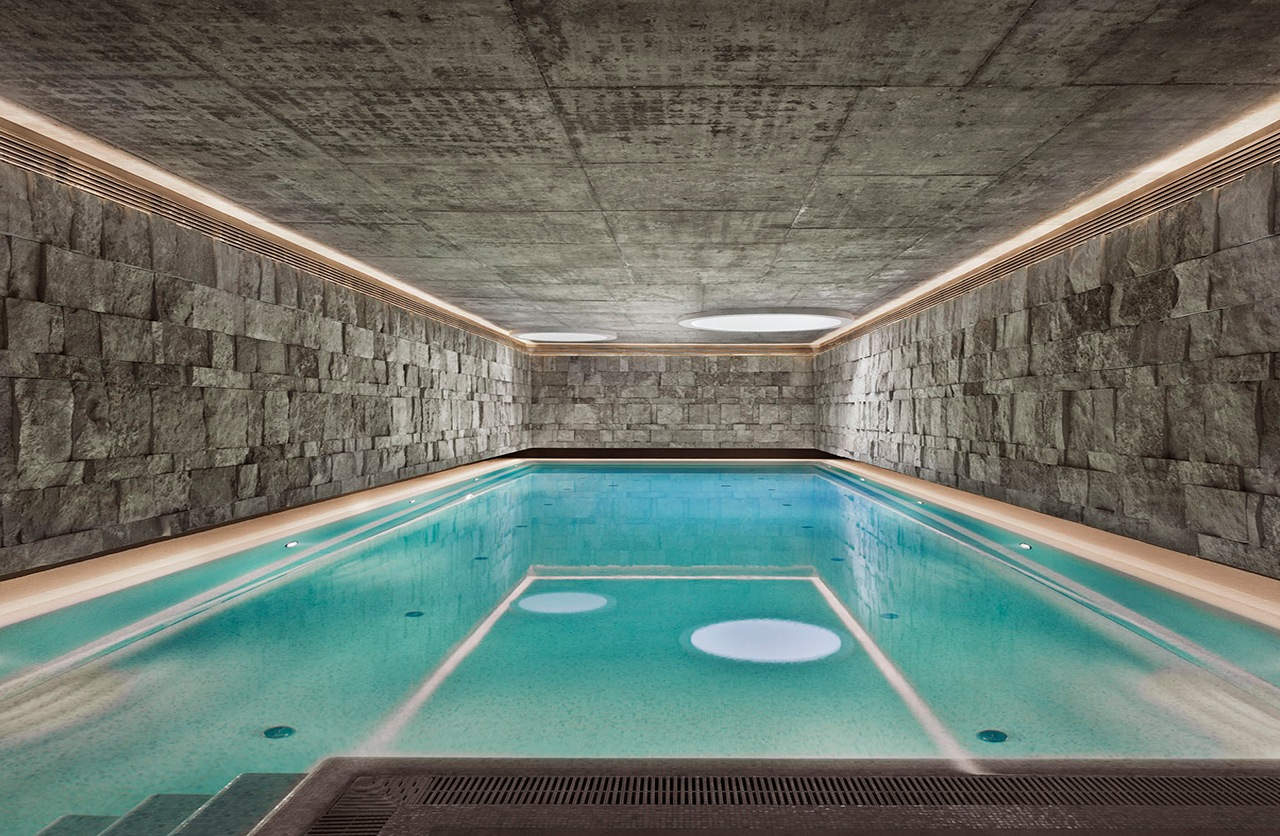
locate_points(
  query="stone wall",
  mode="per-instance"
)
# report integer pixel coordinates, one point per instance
(1130, 383)
(154, 381)
(678, 401)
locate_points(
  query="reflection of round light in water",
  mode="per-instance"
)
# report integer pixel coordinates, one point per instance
(766, 640)
(558, 603)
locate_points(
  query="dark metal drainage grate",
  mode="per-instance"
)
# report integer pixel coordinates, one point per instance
(859, 791)
(373, 800)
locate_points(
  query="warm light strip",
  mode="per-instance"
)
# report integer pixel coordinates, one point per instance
(1256, 124)
(673, 349)
(114, 161)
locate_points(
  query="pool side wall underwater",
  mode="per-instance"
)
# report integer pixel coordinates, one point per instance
(154, 381)
(1129, 383)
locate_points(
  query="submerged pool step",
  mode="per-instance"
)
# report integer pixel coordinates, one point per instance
(78, 826)
(157, 816)
(234, 811)
(240, 805)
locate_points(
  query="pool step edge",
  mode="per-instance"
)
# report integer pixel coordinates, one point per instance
(239, 806)
(158, 815)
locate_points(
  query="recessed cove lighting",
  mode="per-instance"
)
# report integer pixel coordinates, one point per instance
(549, 335)
(767, 321)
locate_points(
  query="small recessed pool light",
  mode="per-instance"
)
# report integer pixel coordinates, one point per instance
(291, 544)
(550, 335)
(767, 321)
(1024, 545)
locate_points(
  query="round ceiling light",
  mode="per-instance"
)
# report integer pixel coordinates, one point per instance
(548, 335)
(767, 320)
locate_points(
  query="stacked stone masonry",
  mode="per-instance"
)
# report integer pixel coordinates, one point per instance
(1129, 383)
(677, 401)
(156, 381)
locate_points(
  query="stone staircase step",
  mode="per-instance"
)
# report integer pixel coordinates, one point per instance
(78, 826)
(159, 815)
(240, 805)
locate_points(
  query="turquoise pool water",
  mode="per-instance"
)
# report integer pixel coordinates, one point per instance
(445, 626)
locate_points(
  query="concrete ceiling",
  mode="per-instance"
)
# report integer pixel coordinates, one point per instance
(616, 165)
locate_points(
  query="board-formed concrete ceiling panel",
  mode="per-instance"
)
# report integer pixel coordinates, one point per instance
(616, 165)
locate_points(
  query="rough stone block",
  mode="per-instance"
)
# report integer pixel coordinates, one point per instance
(1160, 341)
(226, 414)
(148, 497)
(1156, 500)
(178, 420)
(1140, 428)
(1189, 229)
(1214, 423)
(127, 339)
(1245, 208)
(1144, 299)
(133, 292)
(1251, 329)
(42, 415)
(194, 258)
(1132, 250)
(1086, 267)
(214, 486)
(1218, 512)
(33, 326)
(52, 210)
(1193, 287)
(174, 299)
(91, 430)
(86, 224)
(1091, 420)
(26, 269)
(1244, 274)
(81, 334)
(15, 202)
(182, 346)
(126, 235)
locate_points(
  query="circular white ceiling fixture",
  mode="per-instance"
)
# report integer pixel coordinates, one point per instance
(548, 335)
(766, 640)
(767, 320)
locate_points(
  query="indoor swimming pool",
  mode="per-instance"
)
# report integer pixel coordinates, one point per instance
(623, 609)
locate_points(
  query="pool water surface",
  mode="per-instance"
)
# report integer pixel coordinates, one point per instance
(623, 610)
